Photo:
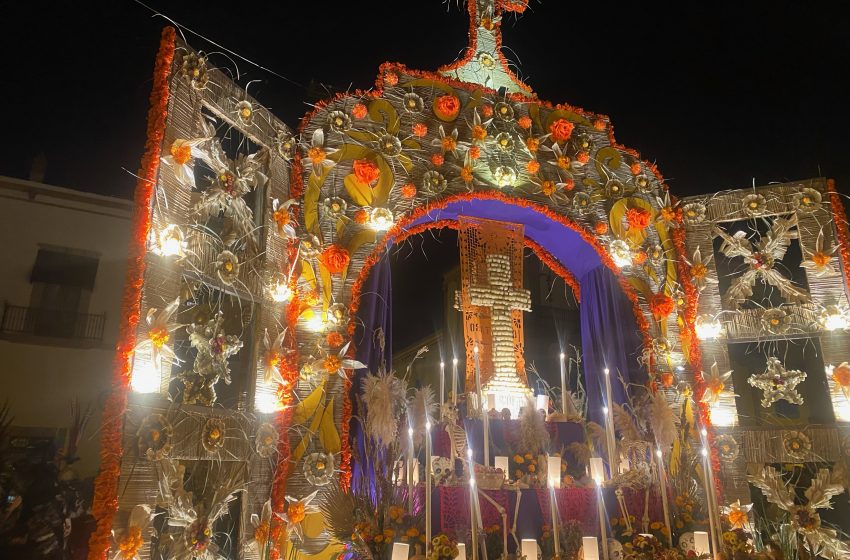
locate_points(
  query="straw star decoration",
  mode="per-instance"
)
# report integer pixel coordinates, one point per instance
(778, 383)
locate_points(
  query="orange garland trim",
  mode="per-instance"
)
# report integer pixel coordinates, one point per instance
(105, 502)
(839, 216)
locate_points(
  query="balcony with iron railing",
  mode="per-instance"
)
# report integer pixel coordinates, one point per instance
(56, 326)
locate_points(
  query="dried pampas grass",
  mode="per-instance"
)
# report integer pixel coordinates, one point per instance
(661, 420)
(532, 427)
(422, 405)
(384, 396)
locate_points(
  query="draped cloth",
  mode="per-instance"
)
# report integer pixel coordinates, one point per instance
(609, 338)
(374, 316)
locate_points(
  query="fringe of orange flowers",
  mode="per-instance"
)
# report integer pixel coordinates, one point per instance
(689, 339)
(840, 218)
(105, 502)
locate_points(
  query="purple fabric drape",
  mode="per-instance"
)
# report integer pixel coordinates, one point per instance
(374, 314)
(609, 338)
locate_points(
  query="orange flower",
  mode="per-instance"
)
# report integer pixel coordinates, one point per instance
(182, 153)
(391, 78)
(661, 305)
(447, 107)
(361, 217)
(159, 337)
(637, 218)
(599, 124)
(669, 214)
(366, 171)
(332, 364)
(479, 132)
(547, 187)
(569, 184)
(466, 174)
(311, 297)
(316, 154)
(474, 152)
(738, 518)
(261, 533)
(335, 258)
(667, 379)
(841, 375)
(533, 166)
(408, 190)
(821, 259)
(524, 122)
(437, 159)
(601, 228)
(561, 130)
(583, 157)
(635, 168)
(487, 111)
(131, 543)
(640, 257)
(420, 129)
(699, 270)
(335, 339)
(359, 111)
(532, 144)
(295, 512)
(563, 161)
(281, 217)
(448, 143)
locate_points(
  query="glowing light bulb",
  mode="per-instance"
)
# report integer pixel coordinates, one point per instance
(607, 371)
(428, 425)
(707, 327)
(146, 378)
(475, 349)
(563, 355)
(704, 432)
(315, 323)
(454, 361)
(469, 453)
(381, 219)
(267, 402)
(658, 453)
(704, 452)
(472, 481)
(833, 318)
(605, 410)
(410, 432)
(170, 242)
(280, 291)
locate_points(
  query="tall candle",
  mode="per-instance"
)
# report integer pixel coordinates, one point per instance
(454, 383)
(556, 530)
(590, 547)
(427, 487)
(410, 471)
(609, 423)
(461, 551)
(529, 549)
(701, 545)
(442, 385)
(662, 482)
(712, 522)
(400, 551)
(484, 416)
(473, 526)
(564, 394)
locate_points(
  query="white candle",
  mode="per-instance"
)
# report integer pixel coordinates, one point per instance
(590, 546)
(484, 416)
(553, 471)
(701, 545)
(502, 463)
(454, 382)
(564, 394)
(706, 472)
(597, 469)
(542, 402)
(400, 551)
(427, 487)
(442, 385)
(410, 471)
(473, 526)
(529, 549)
(461, 551)
(609, 422)
(556, 530)
(491, 401)
(662, 482)
(603, 517)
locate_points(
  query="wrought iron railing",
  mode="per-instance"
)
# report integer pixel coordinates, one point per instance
(52, 323)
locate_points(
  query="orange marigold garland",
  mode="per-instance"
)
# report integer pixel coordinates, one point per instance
(105, 502)
(840, 218)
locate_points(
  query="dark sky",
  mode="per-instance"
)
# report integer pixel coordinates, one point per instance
(716, 94)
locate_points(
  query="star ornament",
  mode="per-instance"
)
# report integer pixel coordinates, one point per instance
(778, 383)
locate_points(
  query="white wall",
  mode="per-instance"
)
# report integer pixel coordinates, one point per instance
(38, 378)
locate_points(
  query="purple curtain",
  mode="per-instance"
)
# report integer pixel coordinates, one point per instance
(374, 314)
(609, 338)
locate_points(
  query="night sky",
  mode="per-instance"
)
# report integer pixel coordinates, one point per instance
(716, 95)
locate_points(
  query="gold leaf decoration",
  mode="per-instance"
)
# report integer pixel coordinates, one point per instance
(328, 435)
(381, 110)
(360, 193)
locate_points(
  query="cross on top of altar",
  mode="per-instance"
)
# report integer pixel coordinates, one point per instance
(492, 300)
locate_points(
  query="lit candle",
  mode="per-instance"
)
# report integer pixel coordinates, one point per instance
(427, 487)
(529, 549)
(553, 473)
(461, 551)
(454, 382)
(609, 423)
(502, 463)
(442, 385)
(701, 545)
(706, 472)
(564, 394)
(590, 547)
(400, 551)
(597, 472)
(662, 482)
(542, 402)
(410, 471)
(484, 416)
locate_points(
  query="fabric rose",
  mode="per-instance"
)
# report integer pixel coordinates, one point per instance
(366, 171)
(561, 130)
(335, 258)
(661, 305)
(447, 107)
(637, 218)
